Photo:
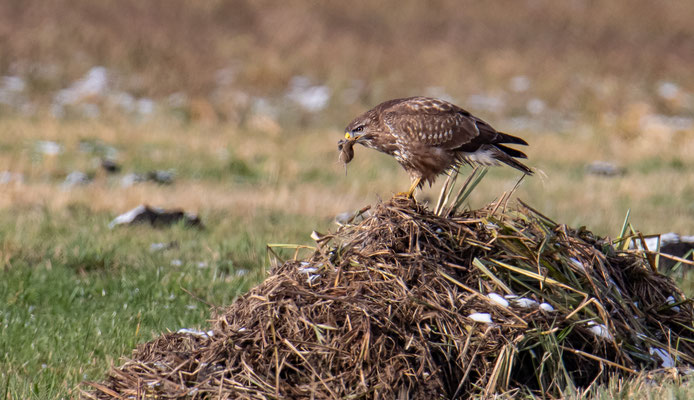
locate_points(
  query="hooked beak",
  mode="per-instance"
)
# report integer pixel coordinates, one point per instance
(357, 139)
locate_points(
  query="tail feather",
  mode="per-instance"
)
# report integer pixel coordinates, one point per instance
(503, 156)
(511, 152)
(506, 138)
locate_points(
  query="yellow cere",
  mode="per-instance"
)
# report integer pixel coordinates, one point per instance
(347, 135)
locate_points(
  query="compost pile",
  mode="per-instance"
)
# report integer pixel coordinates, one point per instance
(409, 304)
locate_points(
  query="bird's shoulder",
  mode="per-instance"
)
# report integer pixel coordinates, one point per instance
(430, 121)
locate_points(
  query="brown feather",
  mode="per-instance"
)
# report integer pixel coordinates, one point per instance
(428, 136)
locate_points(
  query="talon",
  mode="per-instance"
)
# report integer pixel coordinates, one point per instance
(414, 186)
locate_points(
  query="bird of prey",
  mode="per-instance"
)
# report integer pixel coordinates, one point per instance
(428, 136)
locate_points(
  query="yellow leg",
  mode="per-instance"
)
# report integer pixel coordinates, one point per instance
(415, 183)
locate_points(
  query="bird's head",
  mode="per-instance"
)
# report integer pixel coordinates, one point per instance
(361, 130)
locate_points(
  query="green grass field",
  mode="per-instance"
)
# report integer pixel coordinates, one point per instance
(76, 295)
(613, 83)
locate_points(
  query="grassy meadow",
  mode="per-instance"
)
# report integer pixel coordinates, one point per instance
(581, 83)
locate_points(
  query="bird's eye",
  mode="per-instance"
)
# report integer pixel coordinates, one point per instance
(359, 128)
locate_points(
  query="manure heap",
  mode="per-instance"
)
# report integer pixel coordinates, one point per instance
(409, 304)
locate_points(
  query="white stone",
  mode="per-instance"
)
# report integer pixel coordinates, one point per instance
(145, 106)
(665, 357)
(157, 246)
(497, 299)
(75, 178)
(311, 98)
(525, 302)
(577, 263)
(668, 90)
(481, 317)
(535, 106)
(197, 333)
(308, 270)
(671, 300)
(48, 147)
(599, 330)
(519, 83)
(94, 83)
(127, 217)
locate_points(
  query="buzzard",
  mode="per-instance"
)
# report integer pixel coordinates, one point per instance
(428, 136)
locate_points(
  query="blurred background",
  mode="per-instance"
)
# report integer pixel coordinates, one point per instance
(259, 91)
(232, 109)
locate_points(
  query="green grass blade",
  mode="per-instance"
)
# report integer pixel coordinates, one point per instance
(620, 240)
(470, 184)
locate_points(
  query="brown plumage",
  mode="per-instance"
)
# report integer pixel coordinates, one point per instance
(429, 136)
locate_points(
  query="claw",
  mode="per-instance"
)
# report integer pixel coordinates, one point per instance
(415, 183)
